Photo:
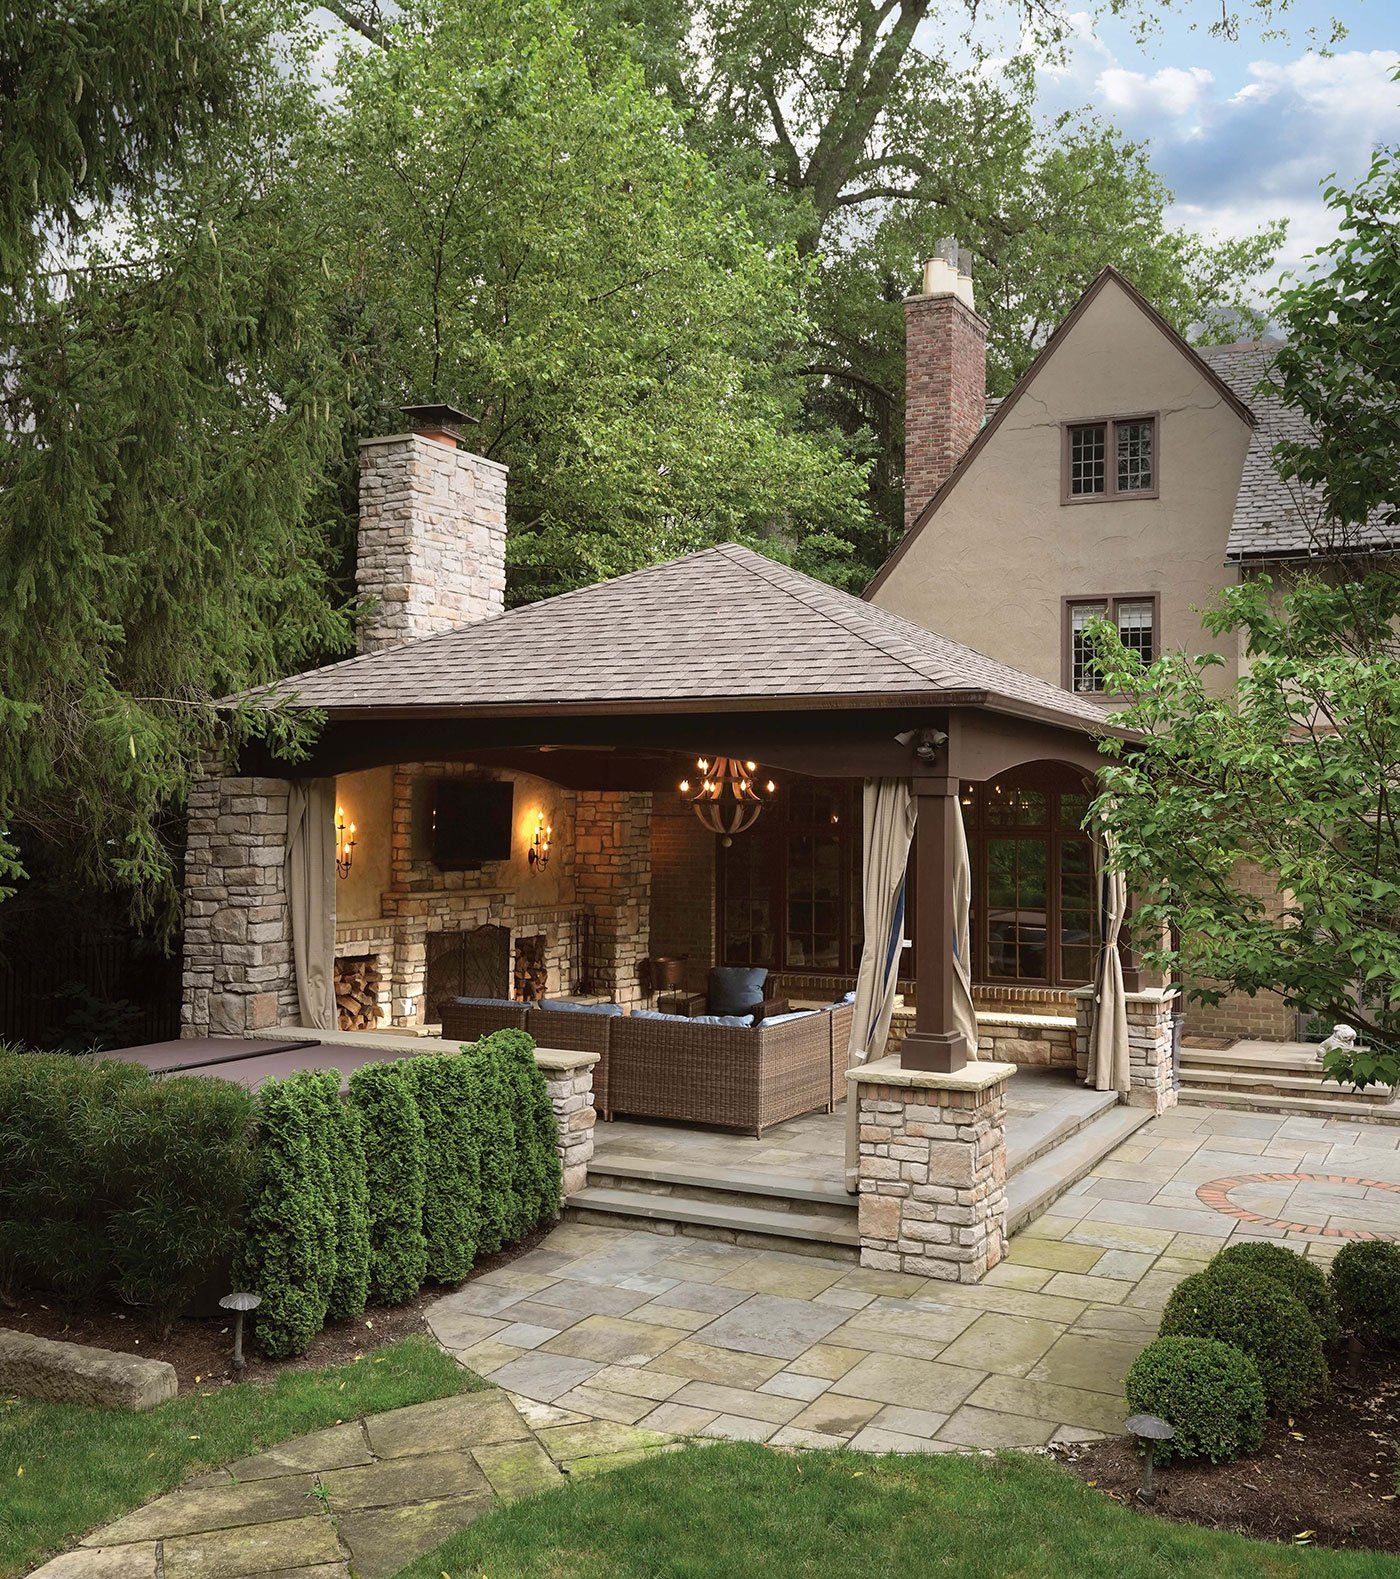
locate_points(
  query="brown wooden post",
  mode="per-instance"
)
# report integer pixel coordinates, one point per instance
(935, 1043)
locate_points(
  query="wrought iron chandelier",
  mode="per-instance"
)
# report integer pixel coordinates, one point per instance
(729, 798)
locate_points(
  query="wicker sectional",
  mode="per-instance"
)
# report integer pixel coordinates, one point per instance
(733, 1077)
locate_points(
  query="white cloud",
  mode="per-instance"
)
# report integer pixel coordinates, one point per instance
(1171, 91)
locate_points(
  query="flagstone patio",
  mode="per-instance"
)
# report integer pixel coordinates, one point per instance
(694, 1336)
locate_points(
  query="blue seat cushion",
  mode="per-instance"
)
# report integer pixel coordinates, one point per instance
(734, 989)
(735, 1021)
(487, 1003)
(797, 1014)
(561, 1005)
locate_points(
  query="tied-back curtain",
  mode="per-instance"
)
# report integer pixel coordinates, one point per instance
(964, 1014)
(1108, 1029)
(310, 876)
(888, 831)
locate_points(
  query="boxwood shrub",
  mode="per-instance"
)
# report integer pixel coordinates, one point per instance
(493, 1127)
(288, 1256)
(115, 1183)
(1262, 1319)
(395, 1170)
(1304, 1279)
(445, 1088)
(1208, 1391)
(537, 1174)
(345, 1136)
(1365, 1278)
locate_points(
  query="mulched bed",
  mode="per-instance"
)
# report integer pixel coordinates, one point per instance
(1328, 1479)
(200, 1349)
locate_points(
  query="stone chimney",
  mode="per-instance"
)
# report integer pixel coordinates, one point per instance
(432, 537)
(945, 379)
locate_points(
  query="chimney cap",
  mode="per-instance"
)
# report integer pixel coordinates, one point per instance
(438, 420)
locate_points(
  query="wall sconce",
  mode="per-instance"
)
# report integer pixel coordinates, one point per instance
(539, 845)
(345, 842)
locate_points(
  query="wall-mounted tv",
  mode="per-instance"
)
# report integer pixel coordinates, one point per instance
(471, 823)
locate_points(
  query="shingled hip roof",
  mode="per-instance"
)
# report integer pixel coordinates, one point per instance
(725, 626)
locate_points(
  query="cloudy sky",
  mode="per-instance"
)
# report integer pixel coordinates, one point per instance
(1246, 131)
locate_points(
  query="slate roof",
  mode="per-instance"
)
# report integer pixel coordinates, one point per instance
(725, 624)
(1273, 517)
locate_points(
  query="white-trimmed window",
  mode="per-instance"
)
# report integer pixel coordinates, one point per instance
(1136, 621)
(1114, 458)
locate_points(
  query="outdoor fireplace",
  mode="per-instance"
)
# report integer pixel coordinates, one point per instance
(531, 968)
(471, 964)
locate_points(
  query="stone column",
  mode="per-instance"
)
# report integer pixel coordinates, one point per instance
(569, 1077)
(1150, 1016)
(932, 1168)
(238, 971)
(612, 881)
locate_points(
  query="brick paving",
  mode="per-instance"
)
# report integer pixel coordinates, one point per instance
(706, 1338)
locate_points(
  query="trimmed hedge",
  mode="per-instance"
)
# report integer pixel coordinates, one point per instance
(345, 1135)
(1365, 1278)
(1304, 1279)
(115, 1183)
(493, 1125)
(289, 1246)
(1260, 1318)
(537, 1176)
(1208, 1391)
(445, 1088)
(395, 1171)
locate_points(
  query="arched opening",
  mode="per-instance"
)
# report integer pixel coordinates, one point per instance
(1035, 920)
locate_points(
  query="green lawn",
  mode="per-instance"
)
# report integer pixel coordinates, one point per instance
(746, 1512)
(65, 1469)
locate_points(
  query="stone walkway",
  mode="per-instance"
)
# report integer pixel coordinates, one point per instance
(363, 1498)
(694, 1336)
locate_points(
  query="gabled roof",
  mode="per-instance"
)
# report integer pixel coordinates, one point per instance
(722, 627)
(998, 411)
(1275, 518)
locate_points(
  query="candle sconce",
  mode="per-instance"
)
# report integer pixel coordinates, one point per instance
(345, 842)
(540, 844)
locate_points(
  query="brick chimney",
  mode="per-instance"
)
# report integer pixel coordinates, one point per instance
(945, 379)
(432, 535)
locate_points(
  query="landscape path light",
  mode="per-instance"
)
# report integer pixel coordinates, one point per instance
(1149, 1430)
(240, 1304)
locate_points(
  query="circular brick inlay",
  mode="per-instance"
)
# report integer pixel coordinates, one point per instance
(1216, 1195)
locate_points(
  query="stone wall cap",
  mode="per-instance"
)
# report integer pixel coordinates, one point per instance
(551, 1058)
(561, 1058)
(1145, 995)
(1054, 1022)
(403, 438)
(976, 1076)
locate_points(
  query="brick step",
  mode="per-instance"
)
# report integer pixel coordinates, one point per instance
(760, 1226)
(1037, 1187)
(1265, 1081)
(1339, 1106)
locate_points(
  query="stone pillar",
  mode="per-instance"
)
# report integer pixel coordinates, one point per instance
(432, 538)
(238, 971)
(932, 1168)
(569, 1077)
(1150, 1016)
(612, 881)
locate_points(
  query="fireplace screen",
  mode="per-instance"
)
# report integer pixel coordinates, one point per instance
(472, 964)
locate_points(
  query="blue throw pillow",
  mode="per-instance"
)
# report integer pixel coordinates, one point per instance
(734, 989)
(562, 1005)
(797, 1014)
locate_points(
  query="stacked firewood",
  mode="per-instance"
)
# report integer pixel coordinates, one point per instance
(531, 974)
(357, 993)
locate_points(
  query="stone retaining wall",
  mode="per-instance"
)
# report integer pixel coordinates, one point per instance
(76, 1373)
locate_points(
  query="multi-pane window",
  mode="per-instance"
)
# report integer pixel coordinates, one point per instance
(1136, 622)
(1112, 459)
(1035, 914)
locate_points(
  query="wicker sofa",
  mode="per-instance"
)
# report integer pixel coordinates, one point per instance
(735, 1077)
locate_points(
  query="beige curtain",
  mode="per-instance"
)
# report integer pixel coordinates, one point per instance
(964, 1014)
(888, 833)
(1108, 1030)
(310, 876)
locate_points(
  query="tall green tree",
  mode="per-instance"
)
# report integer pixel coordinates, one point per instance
(1296, 771)
(164, 414)
(518, 226)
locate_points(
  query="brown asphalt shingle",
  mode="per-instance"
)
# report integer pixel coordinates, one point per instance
(724, 623)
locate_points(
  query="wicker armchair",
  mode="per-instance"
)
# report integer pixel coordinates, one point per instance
(732, 1077)
(578, 1031)
(469, 1022)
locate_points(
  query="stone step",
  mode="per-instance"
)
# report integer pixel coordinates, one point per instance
(735, 1186)
(1285, 1060)
(1037, 1187)
(1029, 1136)
(715, 1219)
(1266, 1082)
(1339, 1106)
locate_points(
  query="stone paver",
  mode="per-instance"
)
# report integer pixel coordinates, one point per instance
(700, 1337)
